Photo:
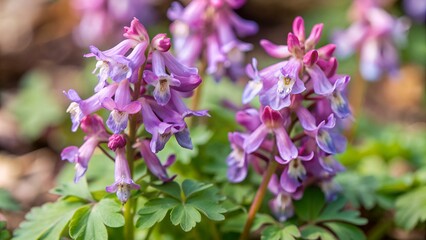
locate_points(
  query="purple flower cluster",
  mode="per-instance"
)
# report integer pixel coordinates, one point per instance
(374, 34)
(138, 79)
(208, 29)
(302, 99)
(101, 18)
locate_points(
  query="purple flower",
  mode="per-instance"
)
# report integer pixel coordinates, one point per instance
(326, 137)
(209, 29)
(114, 63)
(179, 78)
(276, 93)
(282, 204)
(162, 129)
(374, 34)
(416, 10)
(123, 179)
(80, 108)
(120, 107)
(254, 86)
(237, 160)
(249, 118)
(272, 121)
(153, 163)
(294, 173)
(95, 133)
(338, 101)
(101, 20)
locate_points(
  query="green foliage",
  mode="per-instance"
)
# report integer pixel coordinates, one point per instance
(313, 232)
(90, 221)
(4, 233)
(411, 208)
(79, 190)
(359, 190)
(309, 207)
(76, 211)
(287, 232)
(185, 203)
(48, 221)
(33, 112)
(7, 202)
(327, 220)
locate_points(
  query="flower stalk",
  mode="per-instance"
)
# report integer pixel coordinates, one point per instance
(258, 199)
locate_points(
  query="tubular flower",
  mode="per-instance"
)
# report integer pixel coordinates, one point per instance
(374, 34)
(208, 29)
(298, 124)
(140, 84)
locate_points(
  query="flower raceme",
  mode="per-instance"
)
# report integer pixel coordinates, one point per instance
(139, 82)
(207, 30)
(297, 126)
(374, 34)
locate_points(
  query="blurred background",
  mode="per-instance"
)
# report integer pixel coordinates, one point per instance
(42, 43)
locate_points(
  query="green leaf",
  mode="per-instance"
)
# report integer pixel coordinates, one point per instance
(207, 202)
(234, 223)
(309, 207)
(89, 221)
(317, 214)
(359, 190)
(109, 212)
(170, 188)
(260, 220)
(4, 233)
(154, 211)
(186, 216)
(312, 232)
(411, 208)
(80, 190)
(7, 202)
(288, 232)
(33, 111)
(333, 212)
(186, 205)
(48, 221)
(346, 231)
(190, 187)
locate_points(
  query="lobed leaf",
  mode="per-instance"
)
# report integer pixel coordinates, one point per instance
(411, 208)
(346, 231)
(186, 203)
(333, 212)
(275, 232)
(48, 221)
(90, 221)
(154, 211)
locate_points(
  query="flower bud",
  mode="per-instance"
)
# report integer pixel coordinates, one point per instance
(116, 141)
(310, 58)
(136, 31)
(161, 42)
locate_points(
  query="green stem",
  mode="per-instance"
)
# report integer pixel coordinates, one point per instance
(130, 206)
(260, 194)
